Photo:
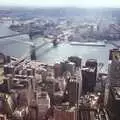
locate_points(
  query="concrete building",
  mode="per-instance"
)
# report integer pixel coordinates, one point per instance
(62, 113)
(43, 103)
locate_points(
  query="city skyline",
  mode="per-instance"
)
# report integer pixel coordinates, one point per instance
(62, 3)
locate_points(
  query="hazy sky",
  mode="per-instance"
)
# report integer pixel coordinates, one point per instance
(76, 3)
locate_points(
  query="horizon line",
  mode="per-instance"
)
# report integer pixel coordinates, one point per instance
(78, 7)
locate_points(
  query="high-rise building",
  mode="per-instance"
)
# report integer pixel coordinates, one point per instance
(75, 60)
(88, 79)
(113, 105)
(63, 113)
(89, 74)
(114, 73)
(43, 103)
(73, 91)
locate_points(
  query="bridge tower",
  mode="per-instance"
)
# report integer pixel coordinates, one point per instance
(30, 35)
(55, 42)
(32, 52)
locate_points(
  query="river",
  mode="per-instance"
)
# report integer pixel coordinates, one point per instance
(50, 54)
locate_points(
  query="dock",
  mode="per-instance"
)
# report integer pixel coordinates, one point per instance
(99, 44)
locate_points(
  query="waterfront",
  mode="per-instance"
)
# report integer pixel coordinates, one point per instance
(50, 54)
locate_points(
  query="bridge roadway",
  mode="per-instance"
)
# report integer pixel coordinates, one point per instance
(7, 36)
(27, 54)
(17, 34)
(38, 46)
(116, 28)
(43, 44)
(115, 43)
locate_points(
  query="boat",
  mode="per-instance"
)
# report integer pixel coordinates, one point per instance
(98, 43)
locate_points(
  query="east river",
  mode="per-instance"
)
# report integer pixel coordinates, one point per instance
(50, 54)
